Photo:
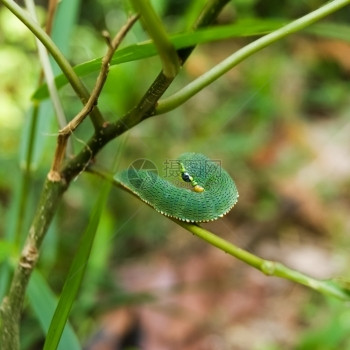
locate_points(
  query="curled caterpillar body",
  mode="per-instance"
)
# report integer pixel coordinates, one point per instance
(213, 192)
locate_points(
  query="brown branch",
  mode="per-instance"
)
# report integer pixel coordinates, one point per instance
(54, 174)
(51, 11)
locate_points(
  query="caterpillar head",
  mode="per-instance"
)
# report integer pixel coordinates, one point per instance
(188, 178)
(198, 188)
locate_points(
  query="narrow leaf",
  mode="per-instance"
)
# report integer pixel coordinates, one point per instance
(6, 248)
(75, 275)
(44, 302)
(147, 48)
(157, 32)
(331, 31)
(65, 21)
(244, 28)
(34, 139)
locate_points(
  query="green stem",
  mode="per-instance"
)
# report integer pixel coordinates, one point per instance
(270, 268)
(63, 63)
(50, 79)
(157, 32)
(177, 99)
(26, 174)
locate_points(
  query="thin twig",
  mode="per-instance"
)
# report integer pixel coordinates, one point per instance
(64, 133)
(51, 11)
(157, 32)
(191, 89)
(268, 267)
(48, 73)
(80, 89)
(26, 169)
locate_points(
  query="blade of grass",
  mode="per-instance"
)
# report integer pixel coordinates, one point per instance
(194, 7)
(16, 215)
(331, 31)
(32, 145)
(77, 85)
(75, 274)
(157, 32)
(191, 89)
(66, 18)
(43, 302)
(147, 49)
(38, 119)
(102, 248)
(31, 149)
(64, 22)
(47, 71)
(6, 249)
(243, 28)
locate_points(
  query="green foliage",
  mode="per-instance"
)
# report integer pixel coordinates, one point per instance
(330, 330)
(243, 28)
(44, 304)
(247, 119)
(75, 274)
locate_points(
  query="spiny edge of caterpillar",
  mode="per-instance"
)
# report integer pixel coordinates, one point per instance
(175, 217)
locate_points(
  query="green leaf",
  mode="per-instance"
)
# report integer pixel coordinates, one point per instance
(65, 21)
(75, 274)
(6, 248)
(147, 49)
(331, 31)
(44, 302)
(158, 34)
(33, 140)
(243, 28)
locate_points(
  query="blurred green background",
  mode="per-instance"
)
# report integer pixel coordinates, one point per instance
(279, 123)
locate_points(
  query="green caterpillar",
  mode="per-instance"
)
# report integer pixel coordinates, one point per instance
(213, 192)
